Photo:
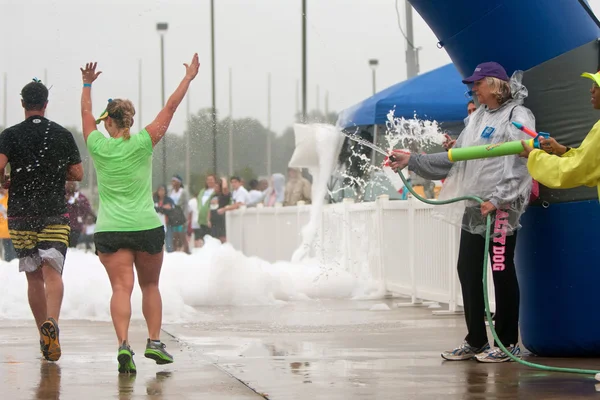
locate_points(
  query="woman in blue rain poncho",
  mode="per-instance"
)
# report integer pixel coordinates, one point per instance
(275, 193)
(505, 185)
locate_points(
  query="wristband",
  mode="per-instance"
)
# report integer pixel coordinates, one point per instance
(87, 85)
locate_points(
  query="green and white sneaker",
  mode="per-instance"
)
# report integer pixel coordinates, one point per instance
(498, 356)
(125, 359)
(155, 350)
(464, 352)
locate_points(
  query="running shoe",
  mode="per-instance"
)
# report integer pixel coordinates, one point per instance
(125, 359)
(51, 344)
(464, 352)
(155, 350)
(497, 355)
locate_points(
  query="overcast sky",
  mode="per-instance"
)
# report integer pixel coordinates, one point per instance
(253, 37)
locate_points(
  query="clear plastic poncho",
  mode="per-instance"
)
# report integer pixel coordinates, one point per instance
(504, 181)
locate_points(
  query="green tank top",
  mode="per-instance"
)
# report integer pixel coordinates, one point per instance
(124, 170)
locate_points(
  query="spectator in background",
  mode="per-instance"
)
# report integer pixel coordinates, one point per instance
(78, 208)
(428, 185)
(217, 211)
(471, 107)
(179, 214)
(297, 189)
(163, 204)
(89, 228)
(204, 198)
(449, 142)
(8, 249)
(193, 226)
(240, 195)
(263, 185)
(255, 195)
(276, 192)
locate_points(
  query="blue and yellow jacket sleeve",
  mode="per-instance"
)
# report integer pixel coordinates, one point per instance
(577, 167)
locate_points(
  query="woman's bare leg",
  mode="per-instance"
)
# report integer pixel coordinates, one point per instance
(119, 267)
(148, 268)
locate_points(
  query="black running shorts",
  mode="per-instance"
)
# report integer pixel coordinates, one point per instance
(149, 241)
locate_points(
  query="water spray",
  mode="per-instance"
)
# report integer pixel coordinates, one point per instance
(487, 243)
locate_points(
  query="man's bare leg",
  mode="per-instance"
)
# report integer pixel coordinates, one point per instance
(36, 294)
(49, 329)
(54, 291)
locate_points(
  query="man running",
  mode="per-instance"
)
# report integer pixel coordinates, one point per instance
(42, 156)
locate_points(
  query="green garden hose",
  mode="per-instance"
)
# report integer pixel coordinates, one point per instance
(485, 286)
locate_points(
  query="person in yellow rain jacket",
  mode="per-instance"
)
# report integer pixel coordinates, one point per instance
(8, 250)
(559, 166)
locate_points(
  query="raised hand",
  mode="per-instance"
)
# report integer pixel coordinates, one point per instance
(89, 74)
(448, 142)
(191, 70)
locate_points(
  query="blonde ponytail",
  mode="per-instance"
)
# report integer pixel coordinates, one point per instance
(122, 112)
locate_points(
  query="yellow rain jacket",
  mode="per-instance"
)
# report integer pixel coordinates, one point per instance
(577, 167)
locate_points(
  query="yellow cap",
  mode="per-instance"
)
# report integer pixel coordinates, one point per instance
(104, 114)
(595, 77)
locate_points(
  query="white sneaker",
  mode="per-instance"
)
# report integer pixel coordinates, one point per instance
(464, 352)
(497, 355)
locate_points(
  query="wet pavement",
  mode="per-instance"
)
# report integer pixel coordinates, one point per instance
(88, 368)
(342, 350)
(306, 350)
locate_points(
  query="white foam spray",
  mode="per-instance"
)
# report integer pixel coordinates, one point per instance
(327, 143)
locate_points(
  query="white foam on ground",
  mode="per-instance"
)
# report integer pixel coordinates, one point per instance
(214, 275)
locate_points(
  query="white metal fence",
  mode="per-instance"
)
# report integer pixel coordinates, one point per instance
(398, 243)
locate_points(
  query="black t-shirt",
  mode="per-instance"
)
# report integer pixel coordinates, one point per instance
(39, 152)
(224, 200)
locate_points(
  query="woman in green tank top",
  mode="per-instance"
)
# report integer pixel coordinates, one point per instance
(128, 230)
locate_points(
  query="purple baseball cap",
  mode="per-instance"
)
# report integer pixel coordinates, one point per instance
(483, 70)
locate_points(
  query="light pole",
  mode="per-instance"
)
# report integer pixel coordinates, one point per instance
(297, 98)
(269, 124)
(214, 101)
(304, 61)
(230, 141)
(374, 63)
(162, 27)
(412, 52)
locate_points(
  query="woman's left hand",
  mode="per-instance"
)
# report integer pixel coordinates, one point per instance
(191, 70)
(487, 208)
(89, 74)
(221, 211)
(527, 149)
